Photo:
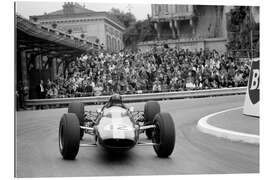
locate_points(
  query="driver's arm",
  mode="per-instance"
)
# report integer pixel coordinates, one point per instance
(106, 105)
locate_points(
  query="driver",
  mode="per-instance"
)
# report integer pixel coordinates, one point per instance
(115, 100)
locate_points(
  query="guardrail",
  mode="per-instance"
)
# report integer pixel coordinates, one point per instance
(140, 97)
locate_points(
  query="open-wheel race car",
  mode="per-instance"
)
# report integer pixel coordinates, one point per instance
(116, 128)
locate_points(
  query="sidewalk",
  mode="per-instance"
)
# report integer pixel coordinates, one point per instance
(235, 120)
(231, 124)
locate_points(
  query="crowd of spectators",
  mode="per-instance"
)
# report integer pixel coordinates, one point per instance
(161, 69)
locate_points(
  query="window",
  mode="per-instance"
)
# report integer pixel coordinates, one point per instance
(159, 9)
(108, 42)
(165, 8)
(113, 44)
(118, 48)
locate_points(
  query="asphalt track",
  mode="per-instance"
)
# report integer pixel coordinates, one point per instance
(37, 151)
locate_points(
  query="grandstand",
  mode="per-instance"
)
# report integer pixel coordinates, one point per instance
(73, 67)
(40, 50)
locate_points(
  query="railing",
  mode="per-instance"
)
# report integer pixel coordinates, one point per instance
(140, 97)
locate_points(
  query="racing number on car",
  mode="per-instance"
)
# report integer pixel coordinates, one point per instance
(122, 127)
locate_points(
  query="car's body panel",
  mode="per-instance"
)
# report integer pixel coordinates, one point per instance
(115, 129)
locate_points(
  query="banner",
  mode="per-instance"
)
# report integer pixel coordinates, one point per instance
(251, 106)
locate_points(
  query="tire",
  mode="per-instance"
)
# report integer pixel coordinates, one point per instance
(78, 109)
(69, 136)
(164, 135)
(151, 108)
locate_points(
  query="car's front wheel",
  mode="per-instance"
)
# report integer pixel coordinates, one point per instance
(78, 109)
(151, 108)
(69, 136)
(163, 134)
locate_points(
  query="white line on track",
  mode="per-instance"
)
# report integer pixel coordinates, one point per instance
(204, 127)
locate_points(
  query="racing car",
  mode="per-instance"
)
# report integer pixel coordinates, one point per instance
(116, 128)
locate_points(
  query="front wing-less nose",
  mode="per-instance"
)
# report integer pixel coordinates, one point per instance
(117, 144)
(117, 135)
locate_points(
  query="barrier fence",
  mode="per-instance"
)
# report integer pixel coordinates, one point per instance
(139, 97)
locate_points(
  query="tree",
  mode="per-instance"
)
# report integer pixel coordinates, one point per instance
(130, 36)
(126, 18)
(138, 32)
(147, 31)
(241, 29)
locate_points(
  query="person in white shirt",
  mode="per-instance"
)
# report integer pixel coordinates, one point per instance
(98, 89)
(41, 90)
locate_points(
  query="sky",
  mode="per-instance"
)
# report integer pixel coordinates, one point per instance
(29, 8)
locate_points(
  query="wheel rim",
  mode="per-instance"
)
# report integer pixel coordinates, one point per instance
(61, 138)
(156, 135)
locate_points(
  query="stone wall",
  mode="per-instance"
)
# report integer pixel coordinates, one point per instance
(191, 44)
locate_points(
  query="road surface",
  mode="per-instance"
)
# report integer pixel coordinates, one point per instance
(38, 155)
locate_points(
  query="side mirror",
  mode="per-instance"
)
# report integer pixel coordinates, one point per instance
(98, 110)
(131, 109)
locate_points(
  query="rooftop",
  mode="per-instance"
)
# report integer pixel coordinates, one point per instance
(32, 35)
(76, 10)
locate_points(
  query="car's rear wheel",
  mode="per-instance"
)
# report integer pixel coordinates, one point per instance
(69, 136)
(164, 135)
(78, 109)
(151, 108)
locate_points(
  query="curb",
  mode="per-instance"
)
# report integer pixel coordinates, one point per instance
(204, 127)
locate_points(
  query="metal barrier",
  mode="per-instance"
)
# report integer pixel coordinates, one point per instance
(140, 97)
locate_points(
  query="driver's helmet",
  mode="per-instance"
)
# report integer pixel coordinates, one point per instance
(115, 99)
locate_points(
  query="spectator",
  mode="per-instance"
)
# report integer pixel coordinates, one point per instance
(41, 90)
(238, 79)
(98, 89)
(160, 69)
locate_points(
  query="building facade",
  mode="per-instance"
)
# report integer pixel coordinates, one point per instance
(189, 26)
(75, 19)
(186, 21)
